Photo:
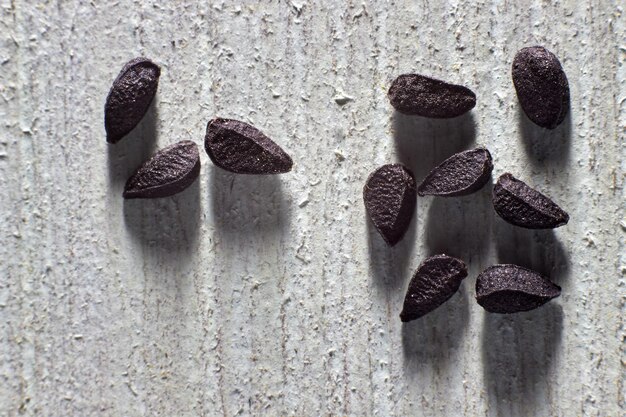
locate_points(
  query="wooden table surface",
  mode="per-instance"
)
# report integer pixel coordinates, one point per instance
(273, 295)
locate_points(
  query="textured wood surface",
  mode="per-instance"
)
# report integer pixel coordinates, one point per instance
(273, 295)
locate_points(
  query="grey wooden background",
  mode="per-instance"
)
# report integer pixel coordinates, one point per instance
(273, 295)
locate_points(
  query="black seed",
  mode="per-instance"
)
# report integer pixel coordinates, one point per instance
(511, 289)
(434, 282)
(415, 94)
(462, 174)
(390, 198)
(541, 85)
(523, 206)
(168, 172)
(129, 98)
(243, 149)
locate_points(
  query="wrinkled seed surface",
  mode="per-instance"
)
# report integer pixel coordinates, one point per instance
(168, 172)
(416, 94)
(243, 149)
(511, 289)
(436, 280)
(390, 197)
(541, 85)
(129, 98)
(462, 174)
(523, 206)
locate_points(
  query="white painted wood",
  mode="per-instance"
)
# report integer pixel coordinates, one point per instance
(272, 295)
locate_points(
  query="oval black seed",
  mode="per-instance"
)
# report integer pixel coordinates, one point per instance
(541, 85)
(130, 97)
(168, 172)
(415, 94)
(511, 289)
(434, 282)
(243, 149)
(462, 174)
(523, 206)
(390, 196)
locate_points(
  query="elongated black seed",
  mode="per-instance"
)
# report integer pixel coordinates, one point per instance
(523, 206)
(130, 97)
(168, 172)
(390, 196)
(241, 148)
(415, 94)
(511, 289)
(462, 174)
(434, 282)
(541, 86)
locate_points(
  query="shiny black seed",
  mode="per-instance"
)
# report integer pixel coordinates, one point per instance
(462, 174)
(523, 206)
(415, 94)
(434, 282)
(168, 172)
(243, 149)
(511, 289)
(541, 85)
(390, 196)
(130, 97)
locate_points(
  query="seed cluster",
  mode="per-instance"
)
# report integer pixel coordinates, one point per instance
(232, 145)
(390, 192)
(543, 93)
